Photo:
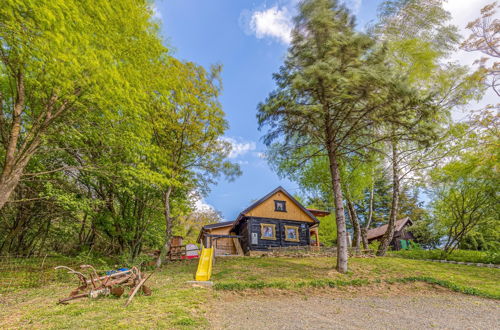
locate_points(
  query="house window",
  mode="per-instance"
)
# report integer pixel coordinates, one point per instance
(280, 206)
(267, 231)
(292, 234)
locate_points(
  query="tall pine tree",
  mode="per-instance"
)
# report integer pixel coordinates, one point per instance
(334, 90)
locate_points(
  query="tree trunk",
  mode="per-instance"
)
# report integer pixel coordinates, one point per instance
(17, 155)
(339, 213)
(364, 231)
(11, 171)
(389, 234)
(356, 242)
(44, 239)
(168, 228)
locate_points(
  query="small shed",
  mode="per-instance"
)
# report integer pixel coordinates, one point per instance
(219, 236)
(402, 236)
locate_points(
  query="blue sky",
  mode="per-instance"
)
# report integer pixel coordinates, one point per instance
(249, 38)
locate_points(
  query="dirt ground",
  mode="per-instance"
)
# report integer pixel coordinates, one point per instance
(415, 306)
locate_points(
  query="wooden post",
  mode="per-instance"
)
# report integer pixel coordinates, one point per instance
(237, 244)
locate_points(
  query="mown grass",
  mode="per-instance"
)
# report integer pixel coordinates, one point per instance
(176, 305)
(293, 273)
(486, 257)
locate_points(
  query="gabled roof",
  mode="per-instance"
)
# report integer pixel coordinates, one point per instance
(380, 231)
(266, 197)
(319, 213)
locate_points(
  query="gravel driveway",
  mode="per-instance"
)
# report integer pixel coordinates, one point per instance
(420, 310)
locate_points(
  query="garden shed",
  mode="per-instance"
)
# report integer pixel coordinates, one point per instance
(402, 236)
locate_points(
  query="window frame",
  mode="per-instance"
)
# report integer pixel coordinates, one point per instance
(262, 227)
(297, 231)
(276, 202)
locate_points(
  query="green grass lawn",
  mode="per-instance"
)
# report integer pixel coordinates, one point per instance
(486, 257)
(176, 305)
(291, 272)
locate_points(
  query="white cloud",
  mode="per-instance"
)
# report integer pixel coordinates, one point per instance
(202, 206)
(275, 23)
(462, 13)
(156, 12)
(239, 147)
(261, 155)
(199, 203)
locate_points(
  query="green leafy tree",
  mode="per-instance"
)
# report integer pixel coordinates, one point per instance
(58, 57)
(465, 189)
(419, 39)
(188, 150)
(113, 133)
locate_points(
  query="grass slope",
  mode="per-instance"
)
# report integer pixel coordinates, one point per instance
(176, 305)
(316, 272)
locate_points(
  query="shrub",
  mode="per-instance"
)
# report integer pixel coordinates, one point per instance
(486, 257)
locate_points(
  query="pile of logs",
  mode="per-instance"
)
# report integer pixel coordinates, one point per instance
(91, 285)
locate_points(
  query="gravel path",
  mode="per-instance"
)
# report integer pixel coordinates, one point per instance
(441, 310)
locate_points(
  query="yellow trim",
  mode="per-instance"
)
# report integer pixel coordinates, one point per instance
(262, 225)
(296, 231)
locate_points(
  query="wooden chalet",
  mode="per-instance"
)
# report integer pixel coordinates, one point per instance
(276, 220)
(402, 236)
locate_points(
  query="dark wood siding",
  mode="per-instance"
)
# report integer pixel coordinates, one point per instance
(242, 230)
(252, 226)
(403, 234)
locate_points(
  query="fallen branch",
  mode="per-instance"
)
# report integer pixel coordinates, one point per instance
(137, 287)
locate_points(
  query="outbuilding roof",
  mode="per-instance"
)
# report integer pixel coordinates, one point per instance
(218, 225)
(213, 226)
(380, 231)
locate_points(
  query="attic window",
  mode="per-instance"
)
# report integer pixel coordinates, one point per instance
(280, 206)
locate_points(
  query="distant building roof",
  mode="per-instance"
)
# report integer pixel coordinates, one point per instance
(218, 225)
(319, 213)
(380, 231)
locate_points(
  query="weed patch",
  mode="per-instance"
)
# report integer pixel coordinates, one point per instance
(445, 284)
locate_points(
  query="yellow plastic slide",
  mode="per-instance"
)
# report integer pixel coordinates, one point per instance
(205, 265)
